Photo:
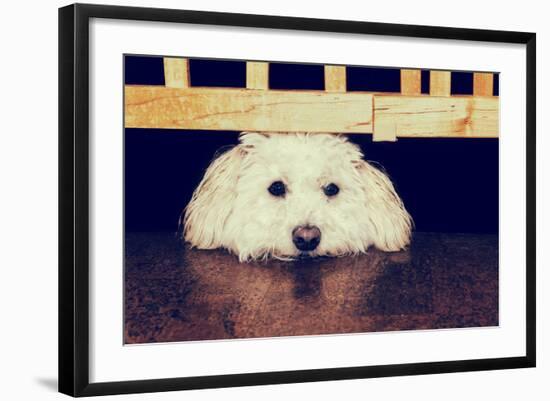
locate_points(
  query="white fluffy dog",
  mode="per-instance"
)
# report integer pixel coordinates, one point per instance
(287, 195)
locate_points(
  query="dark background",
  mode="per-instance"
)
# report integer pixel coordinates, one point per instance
(447, 184)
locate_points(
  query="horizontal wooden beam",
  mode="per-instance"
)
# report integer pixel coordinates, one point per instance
(427, 116)
(387, 116)
(247, 109)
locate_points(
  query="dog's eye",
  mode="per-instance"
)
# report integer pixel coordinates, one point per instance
(331, 189)
(277, 188)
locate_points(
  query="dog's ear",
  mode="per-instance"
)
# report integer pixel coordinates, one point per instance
(390, 223)
(212, 202)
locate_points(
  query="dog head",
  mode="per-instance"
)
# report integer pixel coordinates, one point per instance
(289, 195)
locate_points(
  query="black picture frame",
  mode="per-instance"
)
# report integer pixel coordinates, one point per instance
(74, 198)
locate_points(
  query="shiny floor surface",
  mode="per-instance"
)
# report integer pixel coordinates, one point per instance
(176, 294)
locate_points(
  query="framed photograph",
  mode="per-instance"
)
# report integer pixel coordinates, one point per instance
(249, 199)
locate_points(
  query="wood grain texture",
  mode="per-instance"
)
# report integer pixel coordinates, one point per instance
(176, 72)
(257, 75)
(247, 109)
(411, 82)
(426, 116)
(440, 83)
(335, 78)
(483, 84)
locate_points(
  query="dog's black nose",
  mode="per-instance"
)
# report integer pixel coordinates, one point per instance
(306, 238)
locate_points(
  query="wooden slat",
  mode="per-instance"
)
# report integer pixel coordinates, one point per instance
(440, 83)
(411, 82)
(335, 78)
(257, 75)
(426, 116)
(247, 109)
(483, 84)
(176, 72)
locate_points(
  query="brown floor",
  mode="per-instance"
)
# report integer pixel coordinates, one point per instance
(177, 294)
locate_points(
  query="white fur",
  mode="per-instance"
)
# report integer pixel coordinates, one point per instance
(232, 208)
